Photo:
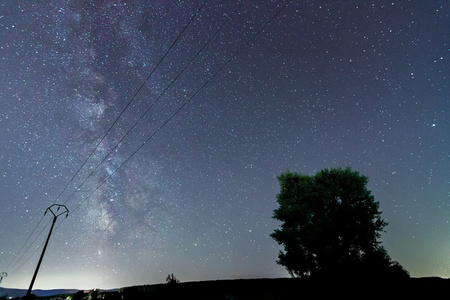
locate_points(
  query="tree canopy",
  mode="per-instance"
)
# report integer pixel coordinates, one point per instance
(331, 224)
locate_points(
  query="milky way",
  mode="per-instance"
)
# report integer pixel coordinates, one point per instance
(221, 97)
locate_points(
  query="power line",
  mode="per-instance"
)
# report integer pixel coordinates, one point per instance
(185, 103)
(128, 104)
(14, 261)
(152, 105)
(28, 248)
(175, 113)
(142, 116)
(28, 238)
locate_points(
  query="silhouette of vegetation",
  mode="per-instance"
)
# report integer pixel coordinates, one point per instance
(93, 294)
(330, 227)
(171, 279)
(78, 295)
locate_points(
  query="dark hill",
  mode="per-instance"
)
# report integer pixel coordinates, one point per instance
(291, 288)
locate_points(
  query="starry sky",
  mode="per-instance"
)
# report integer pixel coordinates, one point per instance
(162, 126)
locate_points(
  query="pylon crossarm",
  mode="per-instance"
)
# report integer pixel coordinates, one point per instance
(58, 207)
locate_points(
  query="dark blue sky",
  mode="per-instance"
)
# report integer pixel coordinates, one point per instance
(324, 84)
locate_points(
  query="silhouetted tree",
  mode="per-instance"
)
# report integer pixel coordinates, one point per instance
(172, 279)
(330, 226)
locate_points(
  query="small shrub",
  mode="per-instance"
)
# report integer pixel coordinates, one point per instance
(171, 279)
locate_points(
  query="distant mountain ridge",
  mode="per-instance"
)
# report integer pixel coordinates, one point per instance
(40, 293)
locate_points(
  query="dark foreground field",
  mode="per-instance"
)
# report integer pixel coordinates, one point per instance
(288, 288)
(281, 288)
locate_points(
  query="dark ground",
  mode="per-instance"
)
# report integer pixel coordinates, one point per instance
(286, 288)
(289, 288)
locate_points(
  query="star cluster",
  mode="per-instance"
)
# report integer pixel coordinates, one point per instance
(162, 127)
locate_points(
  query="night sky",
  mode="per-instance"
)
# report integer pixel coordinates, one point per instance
(210, 101)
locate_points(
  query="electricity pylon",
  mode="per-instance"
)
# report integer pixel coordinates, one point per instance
(55, 214)
(3, 275)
